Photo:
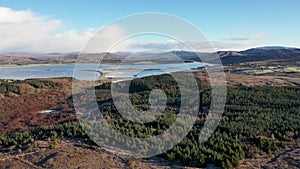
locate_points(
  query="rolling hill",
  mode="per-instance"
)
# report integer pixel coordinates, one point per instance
(284, 55)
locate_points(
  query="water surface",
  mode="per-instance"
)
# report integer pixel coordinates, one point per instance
(90, 71)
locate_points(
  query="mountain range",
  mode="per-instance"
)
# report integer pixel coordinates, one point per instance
(268, 53)
(272, 53)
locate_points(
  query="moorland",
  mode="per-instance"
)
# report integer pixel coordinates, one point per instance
(259, 127)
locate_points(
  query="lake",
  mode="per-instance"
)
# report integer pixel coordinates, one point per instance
(89, 71)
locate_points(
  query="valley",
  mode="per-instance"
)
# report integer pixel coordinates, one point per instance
(259, 127)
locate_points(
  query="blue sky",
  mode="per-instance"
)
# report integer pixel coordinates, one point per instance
(236, 23)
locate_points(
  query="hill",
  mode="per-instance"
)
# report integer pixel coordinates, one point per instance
(284, 55)
(287, 55)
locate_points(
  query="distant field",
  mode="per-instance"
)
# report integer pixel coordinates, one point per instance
(271, 70)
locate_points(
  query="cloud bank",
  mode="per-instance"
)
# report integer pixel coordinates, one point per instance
(25, 31)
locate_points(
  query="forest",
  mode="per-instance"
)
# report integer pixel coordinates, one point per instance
(257, 121)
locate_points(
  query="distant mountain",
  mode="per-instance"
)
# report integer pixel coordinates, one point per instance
(278, 53)
(260, 54)
(35, 55)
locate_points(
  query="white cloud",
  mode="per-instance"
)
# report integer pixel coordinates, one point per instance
(258, 36)
(25, 31)
(109, 39)
(9, 16)
(203, 46)
(156, 45)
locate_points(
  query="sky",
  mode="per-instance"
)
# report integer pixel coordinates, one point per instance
(66, 26)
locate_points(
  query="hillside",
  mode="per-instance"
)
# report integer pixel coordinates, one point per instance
(259, 126)
(284, 55)
(258, 122)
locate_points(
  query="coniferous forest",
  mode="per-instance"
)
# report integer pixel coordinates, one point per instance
(257, 121)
